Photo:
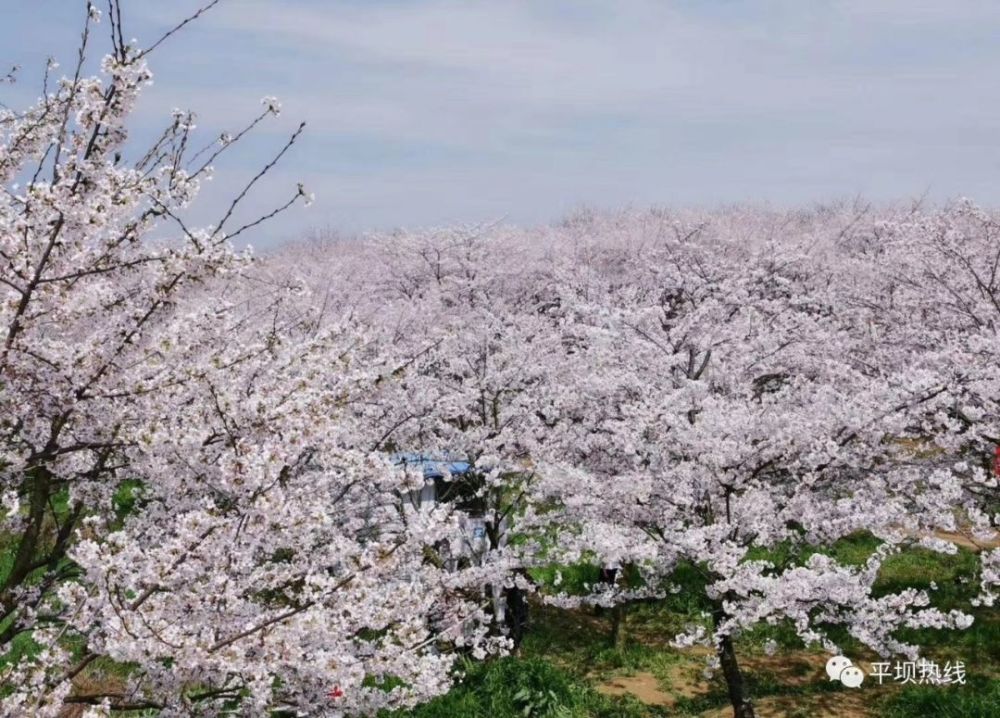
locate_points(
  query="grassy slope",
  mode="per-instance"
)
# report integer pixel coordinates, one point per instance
(568, 662)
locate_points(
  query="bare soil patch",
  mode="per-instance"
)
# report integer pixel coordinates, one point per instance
(685, 679)
(828, 705)
(967, 540)
(643, 686)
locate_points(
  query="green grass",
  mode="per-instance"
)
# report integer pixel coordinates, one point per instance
(570, 652)
(524, 688)
(979, 698)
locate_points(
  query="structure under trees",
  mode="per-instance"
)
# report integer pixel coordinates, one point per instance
(186, 490)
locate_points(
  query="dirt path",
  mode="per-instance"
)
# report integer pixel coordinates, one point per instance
(828, 705)
(967, 540)
(793, 669)
(643, 686)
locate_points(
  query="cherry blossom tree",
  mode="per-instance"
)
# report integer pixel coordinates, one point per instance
(930, 289)
(458, 321)
(730, 392)
(185, 491)
(705, 390)
(721, 408)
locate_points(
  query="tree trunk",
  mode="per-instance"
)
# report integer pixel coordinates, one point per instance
(738, 696)
(619, 623)
(39, 482)
(516, 615)
(607, 576)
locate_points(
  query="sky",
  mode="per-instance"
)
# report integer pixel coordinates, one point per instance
(436, 112)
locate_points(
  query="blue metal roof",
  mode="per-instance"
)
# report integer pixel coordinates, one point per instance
(434, 467)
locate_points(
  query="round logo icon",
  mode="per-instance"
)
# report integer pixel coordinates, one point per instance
(852, 676)
(840, 668)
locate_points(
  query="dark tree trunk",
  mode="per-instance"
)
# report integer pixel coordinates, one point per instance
(735, 685)
(619, 625)
(516, 615)
(608, 576)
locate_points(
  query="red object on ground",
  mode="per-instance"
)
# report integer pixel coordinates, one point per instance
(996, 462)
(337, 693)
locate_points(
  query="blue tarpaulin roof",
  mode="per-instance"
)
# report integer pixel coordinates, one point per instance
(435, 467)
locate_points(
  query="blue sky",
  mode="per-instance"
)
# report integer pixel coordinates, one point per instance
(441, 111)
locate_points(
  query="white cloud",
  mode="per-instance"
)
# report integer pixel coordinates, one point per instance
(425, 111)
